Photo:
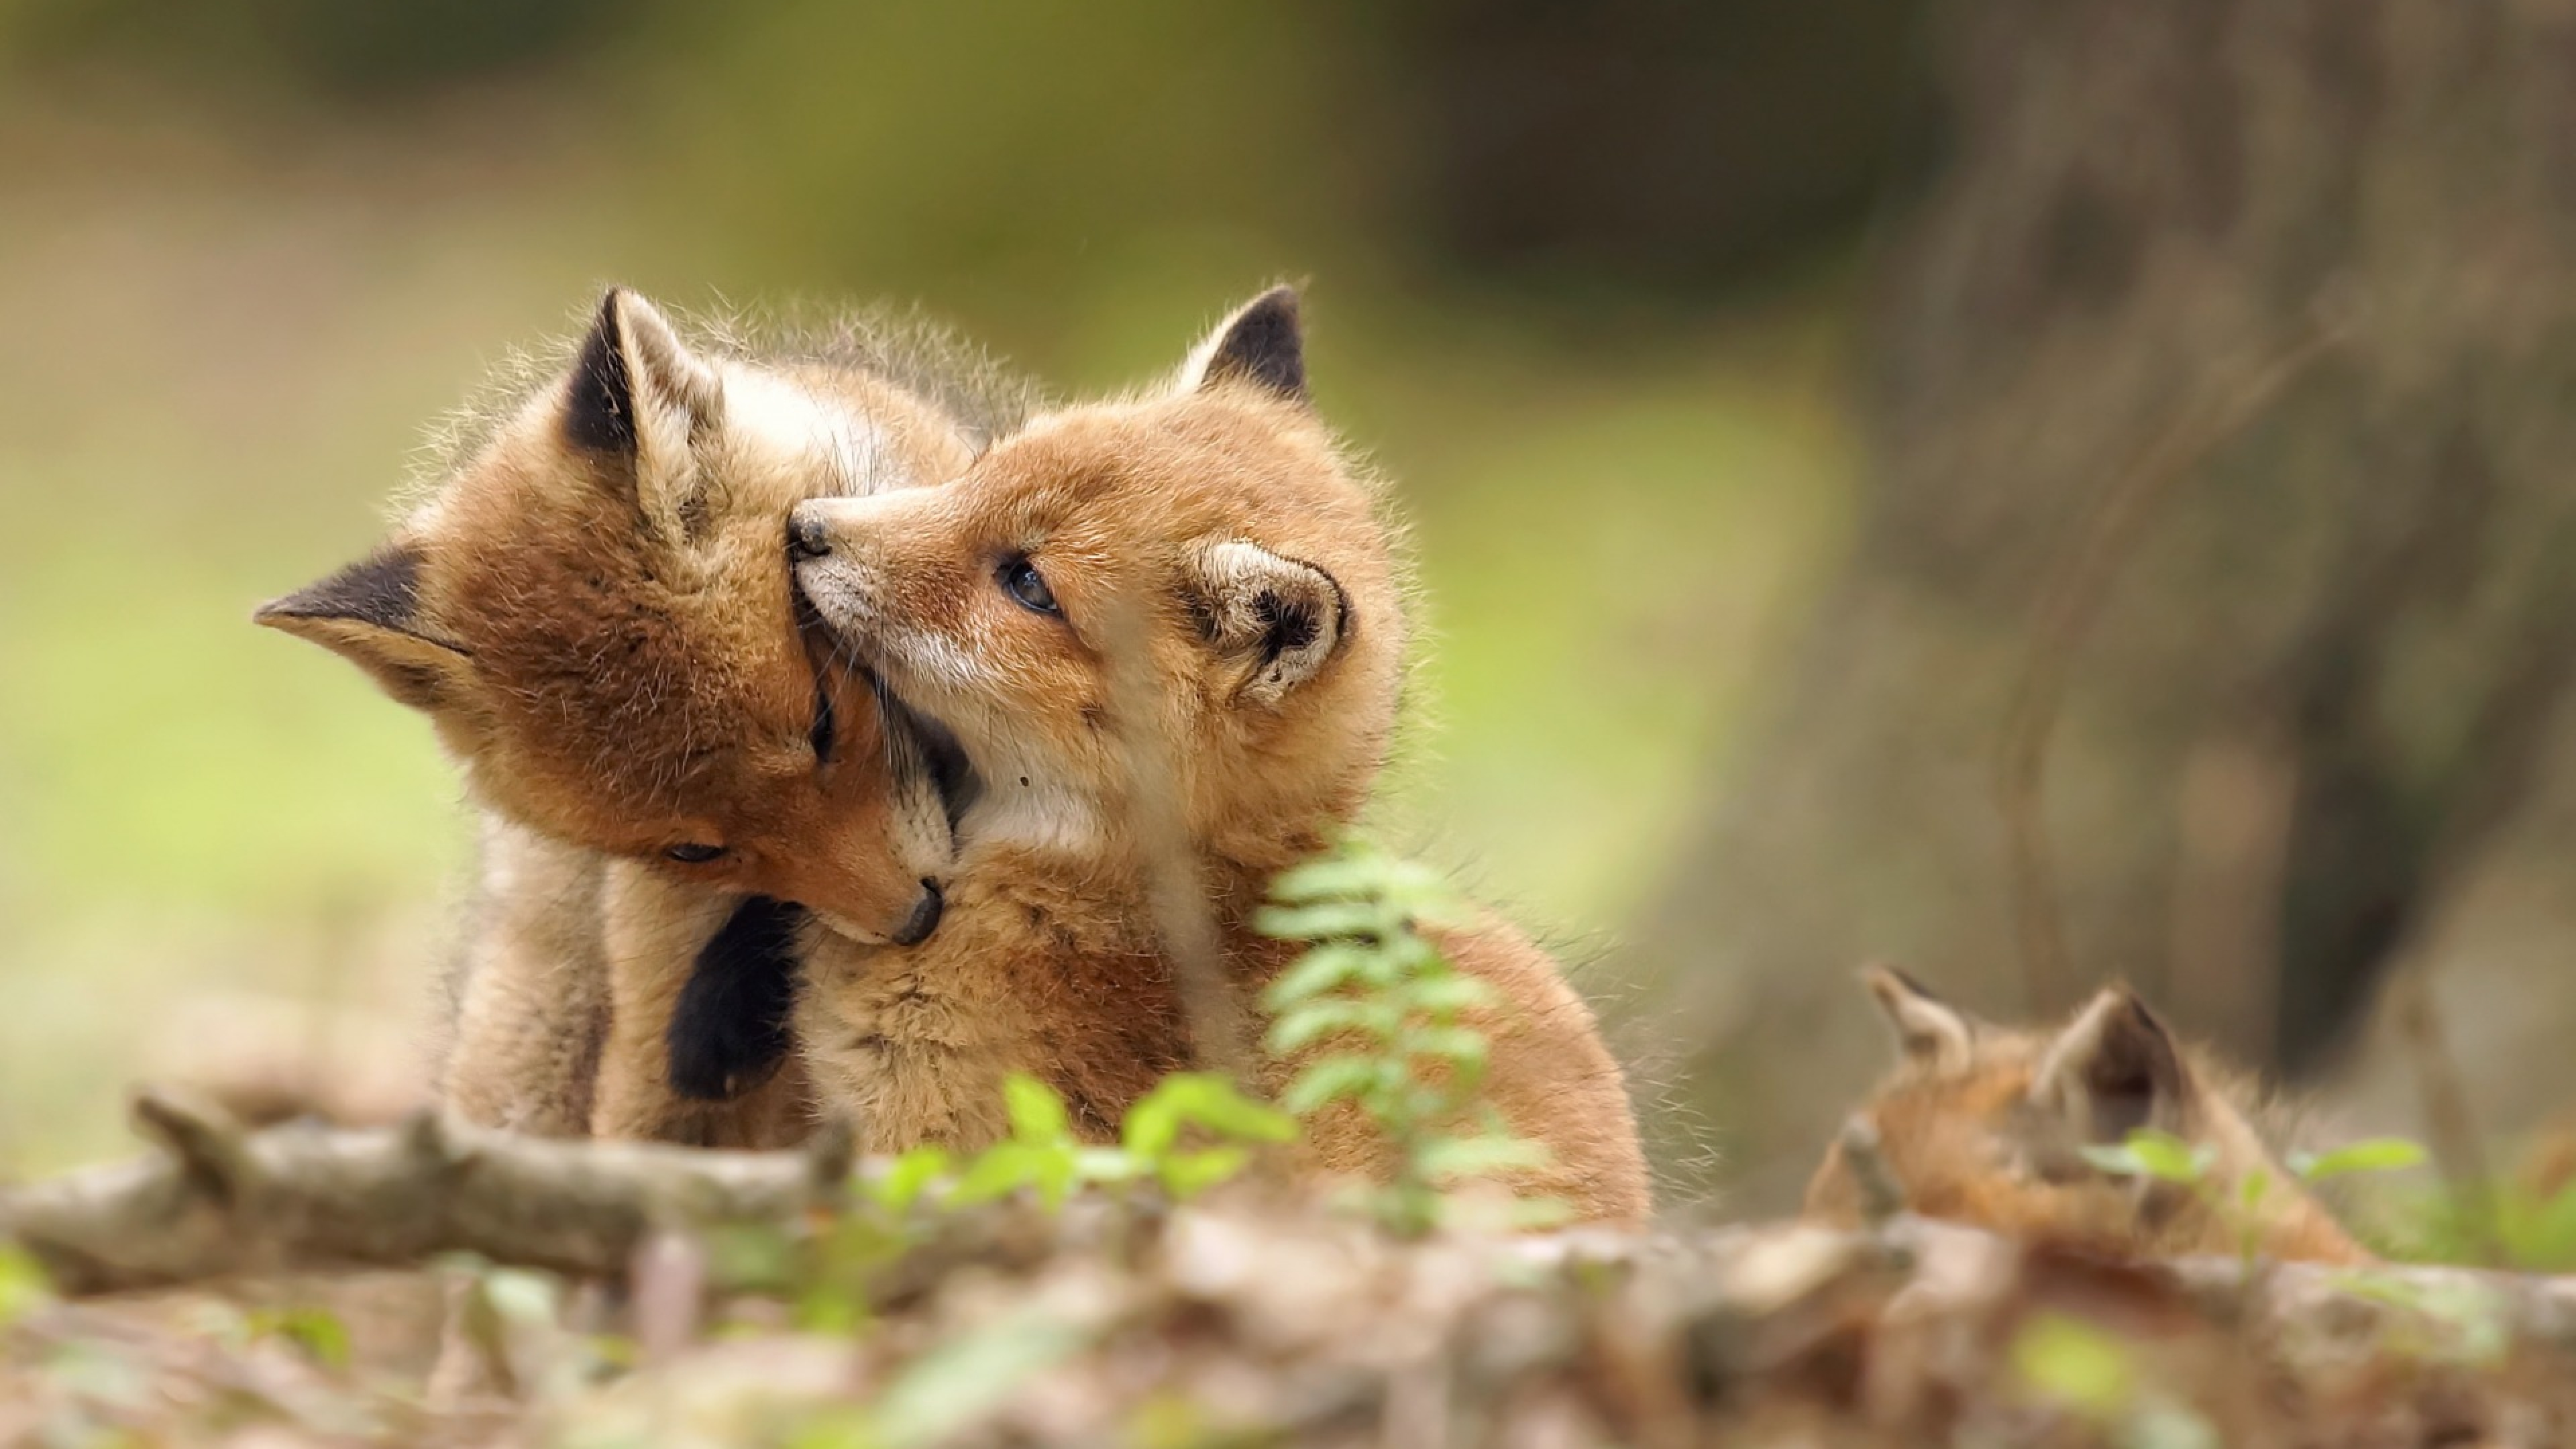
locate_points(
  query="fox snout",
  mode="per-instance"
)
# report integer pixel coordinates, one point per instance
(807, 537)
(839, 527)
(925, 916)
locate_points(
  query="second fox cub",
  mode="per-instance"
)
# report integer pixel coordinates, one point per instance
(1987, 1125)
(1183, 608)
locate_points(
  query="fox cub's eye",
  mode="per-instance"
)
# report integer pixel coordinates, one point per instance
(1021, 580)
(694, 854)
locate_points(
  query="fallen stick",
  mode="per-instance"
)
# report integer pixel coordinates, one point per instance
(218, 1201)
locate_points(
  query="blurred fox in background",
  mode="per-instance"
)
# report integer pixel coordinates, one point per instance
(1990, 1125)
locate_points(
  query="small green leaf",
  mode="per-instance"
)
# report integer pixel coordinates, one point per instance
(1322, 921)
(909, 1175)
(1459, 1045)
(1205, 1099)
(2251, 1192)
(24, 1288)
(1187, 1174)
(1322, 969)
(997, 1172)
(1458, 1159)
(1448, 993)
(961, 1380)
(2379, 1154)
(1106, 1164)
(1342, 875)
(2075, 1364)
(522, 1296)
(1331, 1080)
(1037, 1113)
(1537, 1214)
(2159, 1155)
(836, 1428)
(318, 1332)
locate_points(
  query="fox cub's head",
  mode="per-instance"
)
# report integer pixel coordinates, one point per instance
(1199, 566)
(1987, 1125)
(596, 609)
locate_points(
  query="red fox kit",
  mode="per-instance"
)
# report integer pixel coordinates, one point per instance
(596, 610)
(1211, 544)
(1987, 1125)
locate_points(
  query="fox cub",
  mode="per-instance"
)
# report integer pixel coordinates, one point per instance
(1987, 1125)
(1200, 569)
(595, 608)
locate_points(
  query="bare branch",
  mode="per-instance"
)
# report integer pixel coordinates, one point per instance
(2071, 599)
(218, 1202)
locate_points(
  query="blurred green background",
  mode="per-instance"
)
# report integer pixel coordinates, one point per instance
(1579, 281)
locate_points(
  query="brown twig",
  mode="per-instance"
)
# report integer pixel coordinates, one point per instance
(1882, 1195)
(2458, 1149)
(2070, 600)
(217, 1201)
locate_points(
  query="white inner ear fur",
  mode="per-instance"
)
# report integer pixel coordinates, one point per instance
(1928, 1030)
(677, 399)
(1252, 593)
(2112, 1026)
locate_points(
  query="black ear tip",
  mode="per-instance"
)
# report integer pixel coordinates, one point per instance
(1886, 976)
(382, 589)
(599, 409)
(1264, 345)
(2134, 1010)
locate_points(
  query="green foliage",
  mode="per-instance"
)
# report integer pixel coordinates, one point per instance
(2090, 1374)
(2457, 1321)
(24, 1288)
(1192, 1132)
(1374, 988)
(2158, 1155)
(1043, 1156)
(317, 1331)
(2163, 1157)
(2377, 1154)
(2076, 1365)
(2511, 1225)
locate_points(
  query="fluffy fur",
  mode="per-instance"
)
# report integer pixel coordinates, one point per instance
(595, 608)
(1985, 1125)
(1167, 625)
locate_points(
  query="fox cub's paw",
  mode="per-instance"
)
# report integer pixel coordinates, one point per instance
(729, 1031)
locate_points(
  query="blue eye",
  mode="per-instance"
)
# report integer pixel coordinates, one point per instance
(694, 854)
(1021, 580)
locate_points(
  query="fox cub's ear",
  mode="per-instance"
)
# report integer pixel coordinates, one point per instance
(641, 399)
(368, 613)
(1928, 1030)
(2115, 1069)
(1262, 343)
(1284, 617)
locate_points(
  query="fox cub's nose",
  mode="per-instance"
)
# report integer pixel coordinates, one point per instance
(806, 535)
(925, 916)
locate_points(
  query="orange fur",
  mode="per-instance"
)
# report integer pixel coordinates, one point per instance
(1985, 1125)
(1225, 593)
(595, 609)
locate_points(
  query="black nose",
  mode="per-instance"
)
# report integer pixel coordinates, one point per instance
(925, 916)
(806, 539)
